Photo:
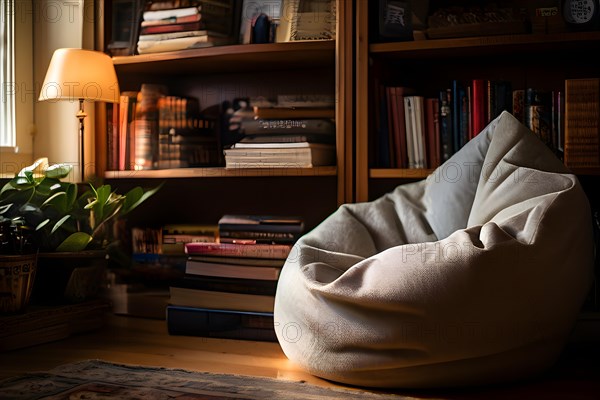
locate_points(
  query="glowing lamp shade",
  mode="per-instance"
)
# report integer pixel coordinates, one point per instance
(80, 75)
(76, 74)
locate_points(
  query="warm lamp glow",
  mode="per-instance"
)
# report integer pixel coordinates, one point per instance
(80, 75)
(76, 74)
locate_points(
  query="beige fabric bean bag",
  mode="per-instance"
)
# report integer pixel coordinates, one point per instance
(472, 276)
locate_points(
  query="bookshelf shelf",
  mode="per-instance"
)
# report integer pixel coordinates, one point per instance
(403, 173)
(539, 61)
(218, 172)
(233, 58)
(487, 45)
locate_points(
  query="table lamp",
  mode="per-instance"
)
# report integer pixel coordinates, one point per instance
(80, 75)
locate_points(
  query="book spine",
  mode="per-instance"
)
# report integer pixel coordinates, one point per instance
(446, 142)
(278, 251)
(582, 111)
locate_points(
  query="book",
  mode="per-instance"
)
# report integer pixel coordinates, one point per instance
(161, 32)
(538, 114)
(446, 140)
(582, 108)
(172, 20)
(228, 324)
(432, 131)
(305, 100)
(207, 268)
(158, 46)
(479, 113)
(154, 15)
(399, 136)
(518, 104)
(280, 155)
(287, 126)
(127, 107)
(276, 251)
(411, 145)
(172, 35)
(289, 138)
(293, 112)
(260, 223)
(220, 300)
(227, 284)
(263, 262)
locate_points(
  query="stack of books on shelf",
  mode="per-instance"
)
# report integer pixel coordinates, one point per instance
(292, 132)
(229, 286)
(186, 24)
(416, 131)
(150, 129)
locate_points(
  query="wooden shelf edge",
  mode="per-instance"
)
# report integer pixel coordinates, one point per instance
(480, 41)
(218, 172)
(251, 50)
(416, 173)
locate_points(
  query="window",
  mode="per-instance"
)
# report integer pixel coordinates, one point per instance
(7, 73)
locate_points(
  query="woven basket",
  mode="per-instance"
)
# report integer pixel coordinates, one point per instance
(17, 273)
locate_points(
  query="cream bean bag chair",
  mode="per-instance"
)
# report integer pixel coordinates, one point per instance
(472, 276)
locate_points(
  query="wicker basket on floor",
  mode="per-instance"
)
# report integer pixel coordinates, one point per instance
(17, 273)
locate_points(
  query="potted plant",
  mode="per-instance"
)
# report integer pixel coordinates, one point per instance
(68, 228)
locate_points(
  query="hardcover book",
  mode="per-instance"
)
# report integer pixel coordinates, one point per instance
(226, 284)
(582, 108)
(207, 268)
(276, 251)
(229, 324)
(260, 223)
(288, 126)
(220, 300)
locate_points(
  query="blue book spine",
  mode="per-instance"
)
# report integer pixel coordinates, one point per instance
(446, 140)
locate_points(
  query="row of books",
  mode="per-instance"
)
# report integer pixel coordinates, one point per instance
(150, 129)
(166, 26)
(416, 131)
(277, 135)
(229, 285)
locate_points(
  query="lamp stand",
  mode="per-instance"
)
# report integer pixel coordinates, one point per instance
(81, 114)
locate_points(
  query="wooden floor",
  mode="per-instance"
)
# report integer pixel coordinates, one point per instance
(146, 342)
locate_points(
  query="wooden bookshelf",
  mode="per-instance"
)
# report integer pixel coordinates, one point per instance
(233, 58)
(217, 172)
(542, 61)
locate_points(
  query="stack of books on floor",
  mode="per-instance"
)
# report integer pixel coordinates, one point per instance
(185, 24)
(229, 286)
(280, 135)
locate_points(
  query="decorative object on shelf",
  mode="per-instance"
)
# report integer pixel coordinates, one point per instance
(454, 22)
(581, 14)
(395, 21)
(80, 75)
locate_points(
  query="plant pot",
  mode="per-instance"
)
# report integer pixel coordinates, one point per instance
(69, 277)
(17, 274)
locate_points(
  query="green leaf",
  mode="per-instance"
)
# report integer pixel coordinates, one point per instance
(77, 241)
(42, 224)
(58, 171)
(59, 223)
(5, 208)
(137, 196)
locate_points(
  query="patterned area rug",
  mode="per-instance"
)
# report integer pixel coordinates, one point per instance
(96, 379)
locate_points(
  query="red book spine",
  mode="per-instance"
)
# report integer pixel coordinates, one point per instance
(479, 110)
